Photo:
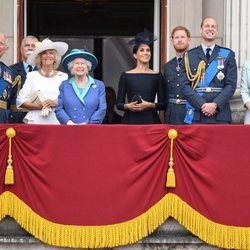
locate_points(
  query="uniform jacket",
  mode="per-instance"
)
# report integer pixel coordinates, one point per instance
(18, 69)
(5, 90)
(89, 110)
(245, 88)
(175, 113)
(228, 85)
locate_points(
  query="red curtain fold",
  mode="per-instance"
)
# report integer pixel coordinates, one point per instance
(212, 165)
(107, 174)
(88, 175)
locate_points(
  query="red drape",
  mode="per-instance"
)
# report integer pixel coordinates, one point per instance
(106, 174)
(87, 175)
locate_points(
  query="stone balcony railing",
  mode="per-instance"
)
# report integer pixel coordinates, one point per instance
(170, 235)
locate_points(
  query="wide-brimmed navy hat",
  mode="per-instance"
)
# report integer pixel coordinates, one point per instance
(79, 53)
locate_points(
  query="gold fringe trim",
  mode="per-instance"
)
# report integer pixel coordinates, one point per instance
(127, 232)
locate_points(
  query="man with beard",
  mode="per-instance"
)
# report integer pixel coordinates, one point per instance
(19, 76)
(176, 105)
(208, 79)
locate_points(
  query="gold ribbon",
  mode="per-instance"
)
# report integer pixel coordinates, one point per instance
(9, 174)
(172, 134)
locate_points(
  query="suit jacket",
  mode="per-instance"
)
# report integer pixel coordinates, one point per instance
(245, 88)
(228, 85)
(13, 115)
(175, 113)
(90, 109)
(18, 69)
(116, 118)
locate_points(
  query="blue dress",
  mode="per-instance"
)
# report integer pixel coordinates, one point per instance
(148, 86)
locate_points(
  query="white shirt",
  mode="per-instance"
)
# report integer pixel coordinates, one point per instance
(49, 87)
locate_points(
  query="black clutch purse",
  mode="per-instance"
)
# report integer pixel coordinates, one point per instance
(136, 98)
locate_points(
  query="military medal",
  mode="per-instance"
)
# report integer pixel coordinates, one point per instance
(220, 76)
(220, 65)
(178, 64)
(178, 67)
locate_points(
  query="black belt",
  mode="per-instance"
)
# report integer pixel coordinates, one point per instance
(177, 101)
(208, 90)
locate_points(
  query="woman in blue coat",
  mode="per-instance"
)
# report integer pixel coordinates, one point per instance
(82, 98)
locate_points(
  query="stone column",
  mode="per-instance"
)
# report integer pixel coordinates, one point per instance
(7, 19)
(236, 32)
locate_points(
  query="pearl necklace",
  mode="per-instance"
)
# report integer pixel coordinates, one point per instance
(49, 74)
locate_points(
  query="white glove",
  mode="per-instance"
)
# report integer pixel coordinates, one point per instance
(45, 112)
(70, 123)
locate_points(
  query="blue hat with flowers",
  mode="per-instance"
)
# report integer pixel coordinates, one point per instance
(79, 53)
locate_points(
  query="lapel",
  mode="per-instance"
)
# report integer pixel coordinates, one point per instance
(215, 52)
(200, 53)
(20, 69)
(173, 64)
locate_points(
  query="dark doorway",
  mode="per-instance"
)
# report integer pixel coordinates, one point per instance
(103, 27)
(89, 19)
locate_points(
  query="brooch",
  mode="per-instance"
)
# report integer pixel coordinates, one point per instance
(94, 86)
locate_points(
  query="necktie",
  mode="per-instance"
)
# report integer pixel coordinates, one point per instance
(30, 68)
(208, 53)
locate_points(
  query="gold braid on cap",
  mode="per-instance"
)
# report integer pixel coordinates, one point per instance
(200, 73)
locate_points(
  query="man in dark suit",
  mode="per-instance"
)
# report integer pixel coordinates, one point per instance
(19, 76)
(5, 80)
(208, 78)
(175, 103)
(111, 116)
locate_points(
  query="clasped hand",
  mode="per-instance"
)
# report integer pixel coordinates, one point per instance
(137, 107)
(47, 106)
(48, 103)
(209, 109)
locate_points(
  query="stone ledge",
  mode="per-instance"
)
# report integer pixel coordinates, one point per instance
(170, 235)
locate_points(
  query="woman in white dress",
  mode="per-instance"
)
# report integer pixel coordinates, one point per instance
(41, 88)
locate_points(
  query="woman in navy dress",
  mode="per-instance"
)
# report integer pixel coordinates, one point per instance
(141, 86)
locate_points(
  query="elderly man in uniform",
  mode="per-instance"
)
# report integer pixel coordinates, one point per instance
(176, 105)
(19, 76)
(208, 79)
(5, 80)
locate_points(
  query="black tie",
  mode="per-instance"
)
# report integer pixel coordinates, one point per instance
(30, 68)
(179, 60)
(208, 53)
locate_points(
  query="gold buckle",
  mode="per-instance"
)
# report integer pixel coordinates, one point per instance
(208, 89)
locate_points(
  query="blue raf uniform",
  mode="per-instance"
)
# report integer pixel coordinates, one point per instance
(5, 90)
(19, 76)
(221, 70)
(176, 104)
(88, 106)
